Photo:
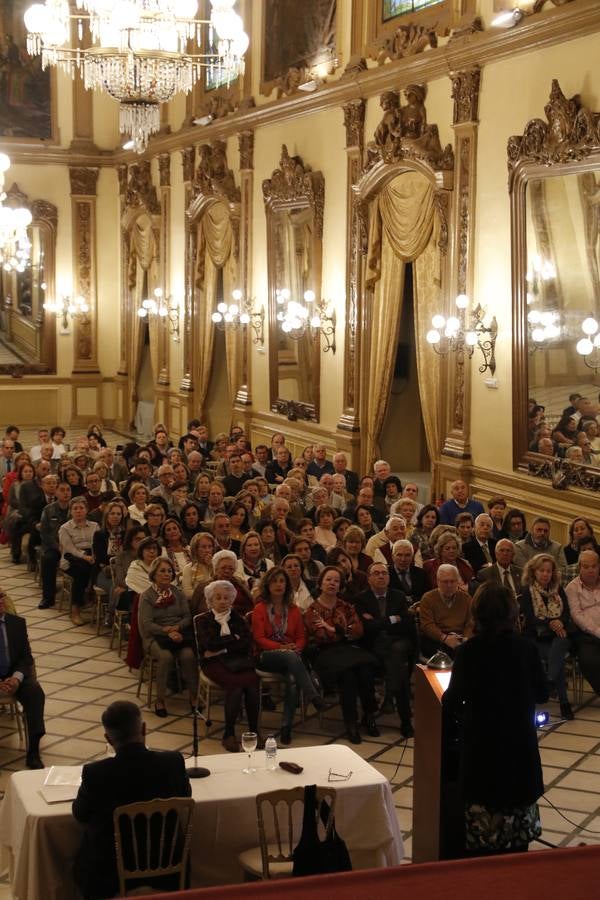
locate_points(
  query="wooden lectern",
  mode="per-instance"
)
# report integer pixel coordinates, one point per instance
(428, 840)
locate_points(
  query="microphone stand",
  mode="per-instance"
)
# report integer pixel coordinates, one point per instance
(197, 771)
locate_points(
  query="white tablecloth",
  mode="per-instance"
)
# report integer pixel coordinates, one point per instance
(39, 841)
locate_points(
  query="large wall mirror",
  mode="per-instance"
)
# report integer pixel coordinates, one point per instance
(27, 330)
(555, 210)
(294, 199)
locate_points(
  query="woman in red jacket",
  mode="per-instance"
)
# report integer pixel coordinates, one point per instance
(279, 638)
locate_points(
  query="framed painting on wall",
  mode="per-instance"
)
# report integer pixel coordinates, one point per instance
(296, 35)
(25, 90)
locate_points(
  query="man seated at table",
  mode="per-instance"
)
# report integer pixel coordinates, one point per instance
(17, 677)
(133, 775)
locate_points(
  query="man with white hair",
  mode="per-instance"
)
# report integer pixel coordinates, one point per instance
(404, 575)
(459, 502)
(319, 464)
(379, 547)
(479, 550)
(445, 618)
(381, 471)
(340, 466)
(503, 571)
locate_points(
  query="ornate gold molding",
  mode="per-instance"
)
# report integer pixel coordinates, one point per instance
(571, 132)
(83, 181)
(140, 189)
(122, 178)
(407, 40)
(294, 182)
(465, 93)
(164, 169)
(403, 132)
(84, 235)
(213, 176)
(188, 161)
(442, 204)
(354, 123)
(243, 399)
(246, 148)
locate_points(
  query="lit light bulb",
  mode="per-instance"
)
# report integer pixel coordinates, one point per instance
(315, 322)
(538, 335)
(222, 307)
(462, 301)
(471, 338)
(438, 322)
(228, 317)
(534, 317)
(589, 325)
(237, 295)
(452, 325)
(234, 309)
(245, 319)
(216, 317)
(162, 311)
(433, 336)
(309, 296)
(286, 327)
(285, 294)
(584, 347)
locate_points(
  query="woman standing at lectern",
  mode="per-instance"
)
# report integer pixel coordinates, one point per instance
(497, 679)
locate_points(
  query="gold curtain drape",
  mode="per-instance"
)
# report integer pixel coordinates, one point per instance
(144, 277)
(402, 229)
(214, 252)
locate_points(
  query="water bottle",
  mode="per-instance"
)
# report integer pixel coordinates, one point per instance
(271, 753)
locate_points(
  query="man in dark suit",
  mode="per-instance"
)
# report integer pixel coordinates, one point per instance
(390, 633)
(17, 676)
(503, 571)
(404, 575)
(479, 550)
(33, 497)
(133, 775)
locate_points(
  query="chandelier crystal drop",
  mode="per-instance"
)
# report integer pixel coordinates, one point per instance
(142, 52)
(15, 246)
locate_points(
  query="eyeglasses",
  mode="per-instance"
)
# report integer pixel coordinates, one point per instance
(335, 776)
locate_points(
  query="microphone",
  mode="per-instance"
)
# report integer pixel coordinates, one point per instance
(198, 771)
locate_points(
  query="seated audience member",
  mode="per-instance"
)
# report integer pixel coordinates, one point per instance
(379, 547)
(340, 496)
(74, 479)
(465, 526)
(120, 597)
(592, 430)
(354, 543)
(319, 465)
(459, 502)
(33, 497)
(179, 498)
(137, 578)
(141, 473)
(107, 485)
(248, 463)
(411, 490)
(340, 527)
(578, 529)
(279, 640)
(215, 504)
(355, 581)
(583, 594)
(363, 516)
(335, 626)
(503, 571)
(221, 529)
(547, 622)
(340, 463)
(17, 676)
(324, 516)
(575, 455)
(54, 515)
(225, 650)
(272, 549)
(317, 497)
(76, 538)
(497, 510)
(7, 453)
(164, 621)
(301, 595)
(199, 495)
(515, 526)
(117, 470)
(93, 494)
(43, 439)
(107, 542)
(155, 516)
(364, 497)
(306, 530)
(404, 575)
(190, 521)
(447, 550)
(565, 432)
(393, 493)
(427, 519)
(494, 705)
(479, 551)
(224, 563)
(261, 458)
(252, 564)
(277, 470)
(199, 569)
(331, 499)
(390, 634)
(238, 520)
(278, 512)
(545, 446)
(134, 774)
(538, 541)
(234, 482)
(166, 479)
(139, 498)
(175, 547)
(12, 433)
(407, 509)
(381, 472)
(11, 516)
(445, 618)
(571, 408)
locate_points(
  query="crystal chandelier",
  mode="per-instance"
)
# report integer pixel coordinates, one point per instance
(296, 319)
(142, 51)
(15, 245)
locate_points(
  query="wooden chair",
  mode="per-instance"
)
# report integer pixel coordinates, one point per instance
(274, 860)
(156, 837)
(206, 687)
(101, 601)
(118, 629)
(149, 664)
(10, 703)
(66, 596)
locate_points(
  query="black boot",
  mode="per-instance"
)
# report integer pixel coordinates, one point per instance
(405, 713)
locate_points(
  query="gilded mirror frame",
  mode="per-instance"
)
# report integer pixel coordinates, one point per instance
(35, 337)
(567, 143)
(293, 186)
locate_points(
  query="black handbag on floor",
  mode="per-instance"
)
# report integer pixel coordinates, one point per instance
(312, 856)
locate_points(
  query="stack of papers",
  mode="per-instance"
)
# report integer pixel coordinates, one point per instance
(61, 784)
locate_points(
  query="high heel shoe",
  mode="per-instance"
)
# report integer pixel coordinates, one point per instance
(160, 711)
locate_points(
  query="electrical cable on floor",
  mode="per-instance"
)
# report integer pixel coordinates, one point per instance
(574, 824)
(404, 746)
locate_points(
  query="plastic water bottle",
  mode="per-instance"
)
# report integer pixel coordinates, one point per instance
(271, 753)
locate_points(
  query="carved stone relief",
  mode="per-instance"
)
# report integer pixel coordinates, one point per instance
(140, 189)
(294, 181)
(403, 132)
(164, 169)
(85, 286)
(246, 145)
(464, 32)
(122, 176)
(188, 161)
(83, 182)
(354, 122)
(465, 93)
(442, 205)
(213, 176)
(572, 132)
(407, 40)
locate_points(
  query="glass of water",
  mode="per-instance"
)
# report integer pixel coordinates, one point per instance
(249, 741)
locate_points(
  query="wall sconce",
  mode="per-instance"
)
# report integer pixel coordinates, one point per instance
(159, 306)
(589, 346)
(508, 18)
(449, 335)
(238, 313)
(65, 307)
(296, 319)
(542, 327)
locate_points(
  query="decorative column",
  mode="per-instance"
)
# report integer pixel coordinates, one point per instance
(354, 122)
(83, 216)
(164, 169)
(465, 92)
(83, 105)
(188, 159)
(243, 398)
(124, 304)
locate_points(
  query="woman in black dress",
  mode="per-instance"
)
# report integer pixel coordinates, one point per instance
(497, 679)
